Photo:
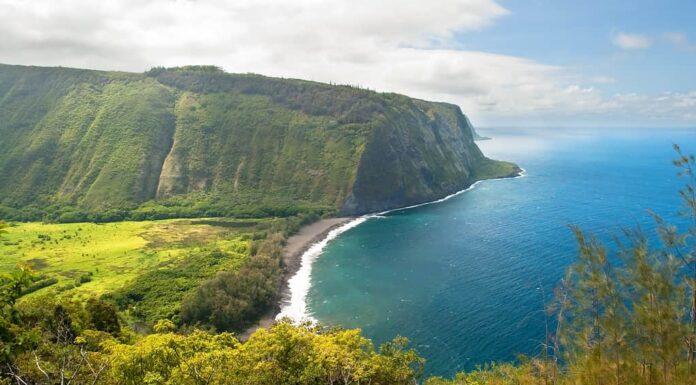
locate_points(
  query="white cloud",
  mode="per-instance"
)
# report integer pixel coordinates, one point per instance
(665, 106)
(100, 33)
(387, 45)
(681, 40)
(631, 41)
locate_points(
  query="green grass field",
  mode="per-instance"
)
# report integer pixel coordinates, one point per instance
(91, 259)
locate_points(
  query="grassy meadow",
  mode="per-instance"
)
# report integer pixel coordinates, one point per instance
(93, 259)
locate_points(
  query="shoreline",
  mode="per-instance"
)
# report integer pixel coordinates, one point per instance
(517, 173)
(296, 246)
(317, 234)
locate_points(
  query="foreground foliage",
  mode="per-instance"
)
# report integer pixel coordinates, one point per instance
(66, 343)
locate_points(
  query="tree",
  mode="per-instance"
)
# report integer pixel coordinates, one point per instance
(103, 316)
(629, 317)
(231, 300)
(13, 337)
(679, 244)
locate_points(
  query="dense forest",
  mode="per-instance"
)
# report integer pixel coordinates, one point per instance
(624, 314)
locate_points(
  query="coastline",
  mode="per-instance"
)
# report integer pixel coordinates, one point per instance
(315, 236)
(295, 247)
(519, 172)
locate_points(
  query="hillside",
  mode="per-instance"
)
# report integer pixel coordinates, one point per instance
(194, 141)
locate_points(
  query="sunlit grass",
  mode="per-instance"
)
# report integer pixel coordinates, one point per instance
(112, 254)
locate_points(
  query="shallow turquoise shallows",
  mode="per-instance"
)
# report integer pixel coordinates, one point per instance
(465, 279)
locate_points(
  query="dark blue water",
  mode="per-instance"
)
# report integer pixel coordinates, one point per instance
(465, 279)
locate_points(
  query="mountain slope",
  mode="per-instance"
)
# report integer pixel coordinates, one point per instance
(197, 141)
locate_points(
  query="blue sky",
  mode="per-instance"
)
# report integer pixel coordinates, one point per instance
(578, 34)
(505, 62)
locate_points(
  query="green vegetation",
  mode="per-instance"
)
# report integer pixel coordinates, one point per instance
(631, 323)
(624, 318)
(496, 169)
(91, 146)
(54, 343)
(226, 302)
(628, 318)
(148, 269)
(92, 259)
(153, 301)
(63, 340)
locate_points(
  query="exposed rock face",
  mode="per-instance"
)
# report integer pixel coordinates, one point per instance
(114, 140)
(416, 156)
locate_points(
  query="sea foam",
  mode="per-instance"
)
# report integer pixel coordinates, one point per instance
(296, 307)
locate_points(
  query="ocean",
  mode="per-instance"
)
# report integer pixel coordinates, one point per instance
(466, 279)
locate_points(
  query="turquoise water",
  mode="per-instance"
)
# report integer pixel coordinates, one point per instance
(465, 279)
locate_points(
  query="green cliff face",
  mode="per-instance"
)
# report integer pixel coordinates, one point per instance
(213, 143)
(418, 152)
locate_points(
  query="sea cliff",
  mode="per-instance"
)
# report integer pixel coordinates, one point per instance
(196, 141)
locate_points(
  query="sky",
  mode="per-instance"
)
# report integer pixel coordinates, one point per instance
(555, 63)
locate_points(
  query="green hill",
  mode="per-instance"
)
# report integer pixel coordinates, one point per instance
(194, 141)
